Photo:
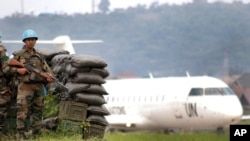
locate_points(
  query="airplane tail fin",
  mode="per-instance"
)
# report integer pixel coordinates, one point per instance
(64, 42)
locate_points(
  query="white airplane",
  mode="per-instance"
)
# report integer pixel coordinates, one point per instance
(192, 103)
(61, 42)
(186, 103)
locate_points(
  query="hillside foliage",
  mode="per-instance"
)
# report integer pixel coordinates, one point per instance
(165, 40)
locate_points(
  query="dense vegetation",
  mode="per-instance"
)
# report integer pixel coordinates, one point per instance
(162, 39)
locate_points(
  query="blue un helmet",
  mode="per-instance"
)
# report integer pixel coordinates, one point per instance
(29, 33)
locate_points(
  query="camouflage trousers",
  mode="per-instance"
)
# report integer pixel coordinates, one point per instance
(4, 101)
(29, 107)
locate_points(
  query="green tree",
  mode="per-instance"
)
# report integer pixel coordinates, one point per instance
(104, 6)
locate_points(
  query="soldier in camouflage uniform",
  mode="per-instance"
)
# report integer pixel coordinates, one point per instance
(5, 93)
(30, 89)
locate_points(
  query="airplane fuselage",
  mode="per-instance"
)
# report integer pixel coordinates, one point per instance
(171, 103)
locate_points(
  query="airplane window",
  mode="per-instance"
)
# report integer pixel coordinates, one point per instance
(218, 91)
(196, 92)
(212, 91)
(228, 91)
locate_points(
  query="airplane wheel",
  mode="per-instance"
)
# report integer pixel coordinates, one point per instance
(122, 130)
(167, 131)
(220, 130)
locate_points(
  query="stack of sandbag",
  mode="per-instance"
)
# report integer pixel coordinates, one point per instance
(83, 75)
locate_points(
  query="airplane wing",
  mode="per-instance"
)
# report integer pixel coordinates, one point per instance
(55, 42)
(12, 41)
(62, 42)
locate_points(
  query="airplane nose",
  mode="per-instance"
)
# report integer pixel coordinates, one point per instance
(234, 111)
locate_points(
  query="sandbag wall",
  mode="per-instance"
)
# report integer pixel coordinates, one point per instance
(83, 75)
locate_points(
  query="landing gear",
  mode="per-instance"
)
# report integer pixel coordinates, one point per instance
(166, 131)
(169, 131)
(220, 131)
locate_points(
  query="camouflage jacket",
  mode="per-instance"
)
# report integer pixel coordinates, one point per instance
(5, 71)
(36, 60)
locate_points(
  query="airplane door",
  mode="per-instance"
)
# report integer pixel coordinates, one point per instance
(177, 108)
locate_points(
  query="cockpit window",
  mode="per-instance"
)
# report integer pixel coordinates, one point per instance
(211, 91)
(196, 92)
(218, 91)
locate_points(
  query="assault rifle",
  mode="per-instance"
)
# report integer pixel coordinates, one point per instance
(14, 62)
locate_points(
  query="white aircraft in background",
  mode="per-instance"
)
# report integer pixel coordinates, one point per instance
(186, 103)
(61, 42)
(192, 102)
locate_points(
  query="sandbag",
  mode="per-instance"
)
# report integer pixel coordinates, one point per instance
(87, 61)
(90, 99)
(101, 72)
(98, 71)
(49, 54)
(98, 110)
(76, 87)
(97, 119)
(58, 69)
(73, 70)
(87, 78)
(96, 88)
(58, 59)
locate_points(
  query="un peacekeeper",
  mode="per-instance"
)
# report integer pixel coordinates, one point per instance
(31, 87)
(5, 92)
